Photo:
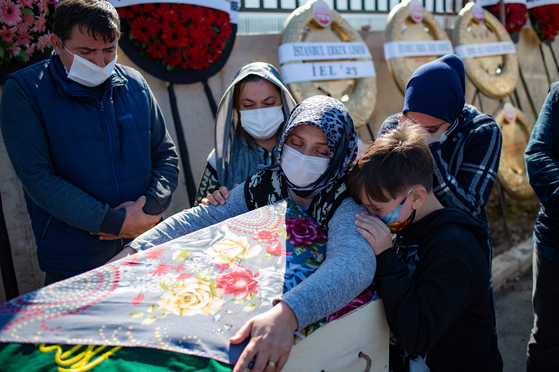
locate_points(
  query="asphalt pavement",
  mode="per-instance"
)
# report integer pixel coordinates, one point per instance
(514, 320)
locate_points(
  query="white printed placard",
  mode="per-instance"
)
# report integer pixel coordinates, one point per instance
(315, 71)
(229, 6)
(534, 3)
(395, 49)
(493, 2)
(289, 52)
(485, 49)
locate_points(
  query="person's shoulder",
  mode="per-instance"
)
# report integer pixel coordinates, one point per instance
(38, 66)
(554, 93)
(478, 122)
(35, 72)
(347, 207)
(132, 75)
(390, 122)
(471, 113)
(454, 225)
(392, 119)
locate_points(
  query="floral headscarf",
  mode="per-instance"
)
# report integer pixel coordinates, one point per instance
(333, 118)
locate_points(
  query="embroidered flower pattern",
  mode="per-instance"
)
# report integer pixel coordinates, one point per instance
(231, 277)
(304, 232)
(265, 236)
(233, 249)
(192, 298)
(239, 283)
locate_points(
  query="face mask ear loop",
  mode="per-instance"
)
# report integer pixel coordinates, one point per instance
(66, 49)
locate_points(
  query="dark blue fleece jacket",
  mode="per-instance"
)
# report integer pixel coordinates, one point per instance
(79, 155)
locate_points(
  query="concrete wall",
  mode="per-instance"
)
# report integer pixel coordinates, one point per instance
(197, 121)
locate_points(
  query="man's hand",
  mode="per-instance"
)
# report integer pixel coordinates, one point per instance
(271, 339)
(218, 197)
(376, 233)
(136, 222)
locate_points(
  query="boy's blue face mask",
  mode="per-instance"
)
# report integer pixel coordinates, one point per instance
(392, 219)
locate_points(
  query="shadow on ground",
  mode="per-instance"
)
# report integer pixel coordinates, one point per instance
(514, 321)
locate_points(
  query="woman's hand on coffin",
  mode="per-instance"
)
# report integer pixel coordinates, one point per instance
(376, 233)
(218, 197)
(125, 252)
(271, 339)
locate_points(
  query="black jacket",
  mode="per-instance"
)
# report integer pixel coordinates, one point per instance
(436, 293)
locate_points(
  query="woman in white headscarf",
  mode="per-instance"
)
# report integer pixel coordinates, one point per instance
(250, 118)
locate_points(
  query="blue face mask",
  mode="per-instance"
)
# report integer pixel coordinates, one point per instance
(392, 219)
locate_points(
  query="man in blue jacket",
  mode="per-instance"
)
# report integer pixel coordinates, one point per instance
(88, 141)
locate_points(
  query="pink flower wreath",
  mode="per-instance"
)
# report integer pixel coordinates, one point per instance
(25, 27)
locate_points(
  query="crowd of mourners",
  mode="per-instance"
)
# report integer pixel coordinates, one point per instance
(89, 144)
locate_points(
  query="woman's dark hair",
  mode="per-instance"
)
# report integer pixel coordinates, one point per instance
(396, 161)
(237, 104)
(98, 17)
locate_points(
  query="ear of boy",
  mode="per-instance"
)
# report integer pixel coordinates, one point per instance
(423, 202)
(417, 197)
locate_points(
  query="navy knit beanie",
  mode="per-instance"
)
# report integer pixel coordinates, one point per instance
(438, 89)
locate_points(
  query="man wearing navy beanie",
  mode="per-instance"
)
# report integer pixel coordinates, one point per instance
(465, 143)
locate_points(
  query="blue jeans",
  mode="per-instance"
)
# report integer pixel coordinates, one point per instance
(543, 347)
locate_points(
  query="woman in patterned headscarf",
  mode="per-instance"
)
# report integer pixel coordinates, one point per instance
(314, 156)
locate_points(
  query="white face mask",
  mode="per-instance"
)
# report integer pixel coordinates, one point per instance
(302, 170)
(88, 73)
(262, 123)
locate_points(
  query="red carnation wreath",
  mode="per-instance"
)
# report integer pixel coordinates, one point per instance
(516, 15)
(179, 36)
(545, 21)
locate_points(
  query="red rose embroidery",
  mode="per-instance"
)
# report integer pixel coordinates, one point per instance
(239, 283)
(275, 250)
(303, 232)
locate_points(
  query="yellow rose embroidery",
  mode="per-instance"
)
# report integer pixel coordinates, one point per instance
(236, 247)
(192, 298)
